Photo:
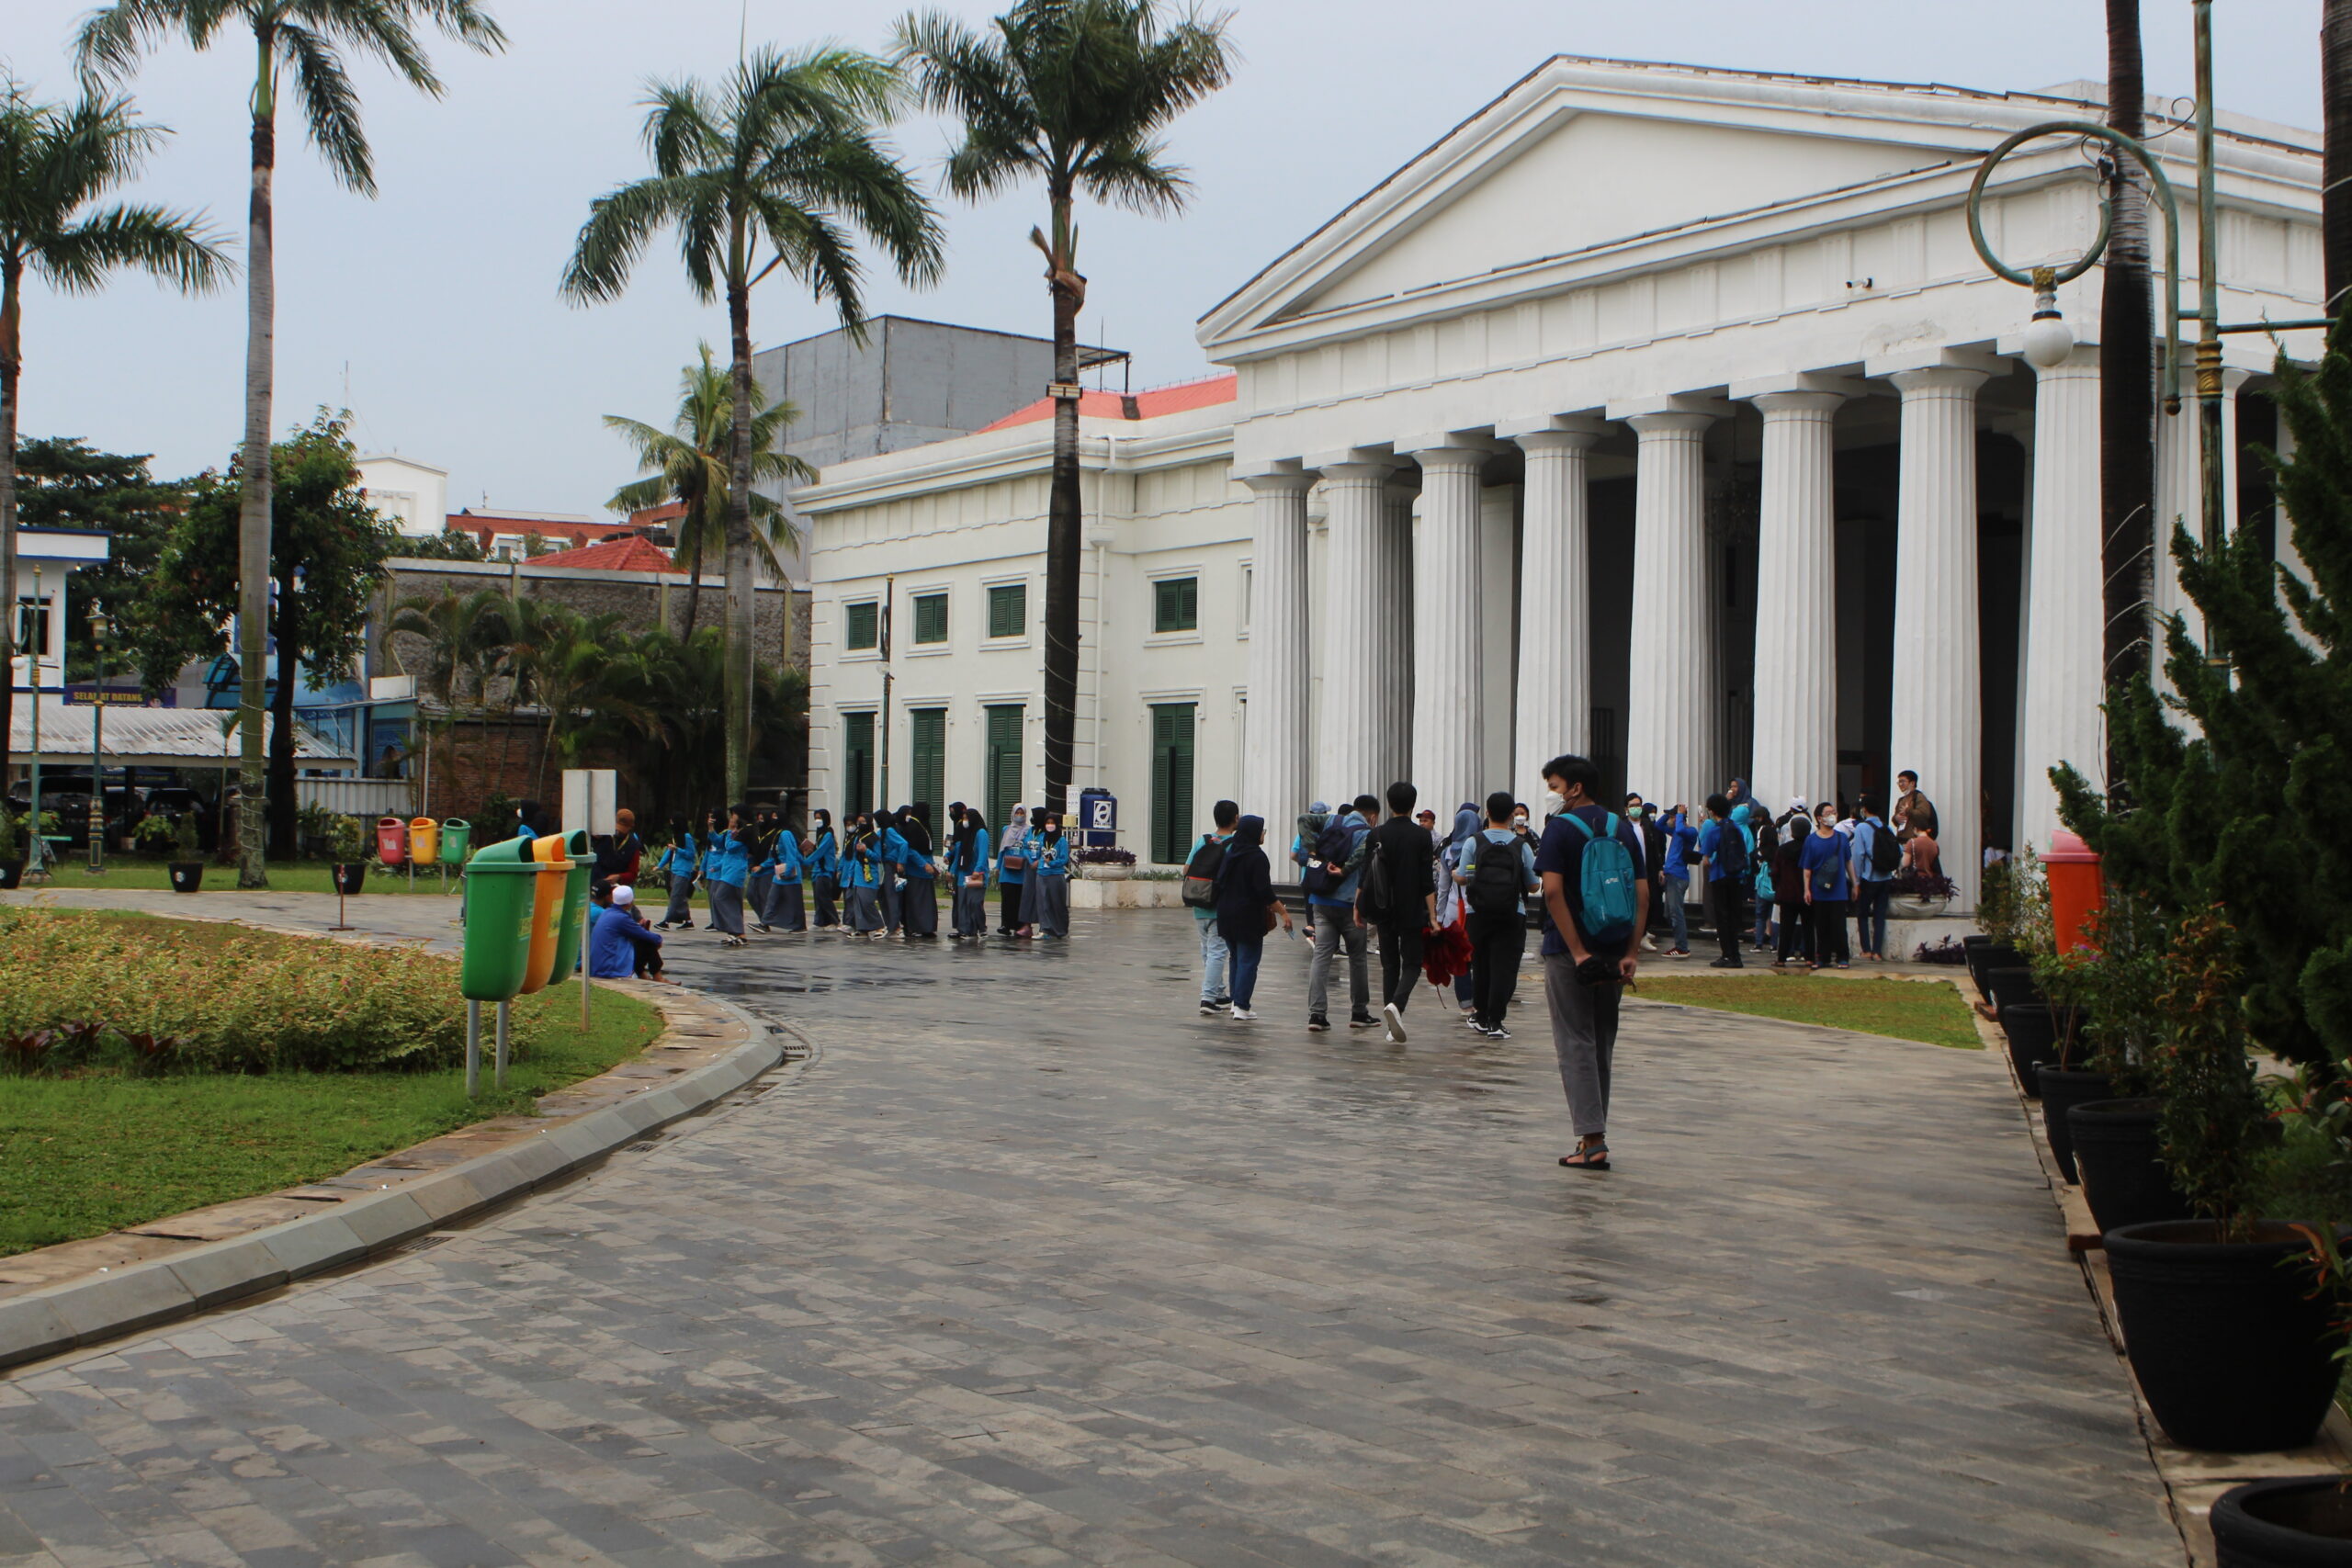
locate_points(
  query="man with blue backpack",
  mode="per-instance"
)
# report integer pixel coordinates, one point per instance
(1590, 864)
(1331, 868)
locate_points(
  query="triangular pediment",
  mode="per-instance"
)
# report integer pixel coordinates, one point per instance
(1583, 155)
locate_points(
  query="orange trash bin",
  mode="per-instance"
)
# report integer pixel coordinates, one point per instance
(2076, 889)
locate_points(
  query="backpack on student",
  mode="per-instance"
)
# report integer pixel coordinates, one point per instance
(1605, 881)
(1327, 862)
(1202, 872)
(1375, 894)
(1494, 882)
(1886, 855)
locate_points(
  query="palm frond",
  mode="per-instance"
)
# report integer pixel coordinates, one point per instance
(1134, 175)
(174, 247)
(110, 39)
(619, 225)
(329, 106)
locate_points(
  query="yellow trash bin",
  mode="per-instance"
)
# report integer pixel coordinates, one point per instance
(424, 842)
(547, 910)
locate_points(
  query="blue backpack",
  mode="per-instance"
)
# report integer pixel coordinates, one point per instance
(1605, 881)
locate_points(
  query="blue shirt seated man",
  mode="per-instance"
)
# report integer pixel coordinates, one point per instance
(621, 946)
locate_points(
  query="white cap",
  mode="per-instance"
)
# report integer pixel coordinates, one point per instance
(1796, 803)
(624, 896)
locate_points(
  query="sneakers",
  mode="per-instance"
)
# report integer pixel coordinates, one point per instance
(1363, 1021)
(1209, 1009)
(1497, 1032)
(1678, 952)
(761, 927)
(1317, 1023)
(1224, 1002)
(1243, 1015)
(1396, 1017)
(1727, 964)
(1470, 1020)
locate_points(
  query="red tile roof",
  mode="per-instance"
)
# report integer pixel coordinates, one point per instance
(484, 525)
(630, 554)
(1147, 404)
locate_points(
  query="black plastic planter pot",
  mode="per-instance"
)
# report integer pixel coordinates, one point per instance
(188, 875)
(2119, 1164)
(2063, 1088)
(350, 878)
(12, 875)
(2009, 986)
(2033, 1030)
(2232, 1342)
(1988, 954)
(2295, 1521)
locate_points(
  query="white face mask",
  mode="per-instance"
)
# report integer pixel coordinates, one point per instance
(1553, 803)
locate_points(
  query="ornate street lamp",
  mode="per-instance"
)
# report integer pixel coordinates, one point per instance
(2048, 340)
(99, 627)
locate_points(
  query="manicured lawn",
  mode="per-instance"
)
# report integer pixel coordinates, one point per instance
(302, 876)
(1907, 1010)
(84, 1154)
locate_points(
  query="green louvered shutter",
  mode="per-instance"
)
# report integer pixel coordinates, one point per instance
(1171, 782)
(1003, 761)
(929, 728)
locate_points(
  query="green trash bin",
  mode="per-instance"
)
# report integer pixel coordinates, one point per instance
(500, 883)
(456, 838)
(575, 903)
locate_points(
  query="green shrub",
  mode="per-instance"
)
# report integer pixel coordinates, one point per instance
(77, 993)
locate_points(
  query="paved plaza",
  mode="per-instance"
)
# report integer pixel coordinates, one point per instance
(1031, 1265)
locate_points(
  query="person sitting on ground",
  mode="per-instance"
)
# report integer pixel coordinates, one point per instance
(621, 946)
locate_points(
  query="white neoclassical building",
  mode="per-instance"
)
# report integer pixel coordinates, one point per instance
(1660, 413)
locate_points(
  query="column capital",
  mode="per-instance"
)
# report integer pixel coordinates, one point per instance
(1669, 423)
(1630, 409)
(1281, 482)
(1355, 473)
(1559, 432)
(1887, 367)
(1756, 387)
(2082, 360)
(1798, 405)
(1448, 458)
(1945, 379)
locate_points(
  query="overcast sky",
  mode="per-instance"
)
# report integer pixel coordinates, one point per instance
(432, 311)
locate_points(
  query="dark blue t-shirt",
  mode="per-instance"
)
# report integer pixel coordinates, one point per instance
(1562, 851)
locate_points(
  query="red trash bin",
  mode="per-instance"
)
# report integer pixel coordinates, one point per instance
(2076, 890)
(391, 841)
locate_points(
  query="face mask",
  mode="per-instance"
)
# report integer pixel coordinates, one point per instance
(1553, 803)
(1518, 822)
(1636, 812)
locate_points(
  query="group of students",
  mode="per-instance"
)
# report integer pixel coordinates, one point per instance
(878, 876)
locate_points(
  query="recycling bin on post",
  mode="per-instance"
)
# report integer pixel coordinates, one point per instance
(1098, 818)
(547, 906)
(425, 840)
(575, 903)
(456, 838)
(2075, 889)
(391, 841)
(501, 884)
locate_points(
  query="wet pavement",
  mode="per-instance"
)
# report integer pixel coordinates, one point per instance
(1032, 1264)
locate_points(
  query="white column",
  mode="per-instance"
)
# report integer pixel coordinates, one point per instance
(1348, 748)
(1399, 624)
(2065, 615)
(1449, 655)
(1273, 759)
(1796, 750)
(1669, 733)
(1554, 605)
(1936, 722)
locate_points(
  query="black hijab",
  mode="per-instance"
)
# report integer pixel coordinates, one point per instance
(914, 826)
(1250, 832)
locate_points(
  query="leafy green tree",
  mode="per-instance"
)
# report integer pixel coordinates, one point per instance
(687, 464)
(305, 42)
(777, 168)
(329, 547)
(1075, 93)
(62, 482)
(2244, 810)
(56, 166)
(450, 544)
(461, 636)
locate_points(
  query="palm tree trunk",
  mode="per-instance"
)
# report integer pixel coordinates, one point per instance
(281, 725)
(741, 591)
(11, 366)
(2336, 178)
(693, 590)
(254, 508)
(1064, 532)
(2127, 381)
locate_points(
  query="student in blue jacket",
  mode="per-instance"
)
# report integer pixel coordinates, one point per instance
(728, 868)
(862, 876)
(967, 874)
(1011, 871)
(783, 869)
(679, 862)
(1050, 880)
(759, 842)
(823, 863)
(919, 892)
(891, 849)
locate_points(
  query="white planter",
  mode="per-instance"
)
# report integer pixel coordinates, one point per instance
(1106, 872)
(1916, 909)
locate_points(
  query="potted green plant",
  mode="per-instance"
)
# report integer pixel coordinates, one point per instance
(2230, 1320)
(346, 849)
(2112, 984)
(157, 835)
(187, 870)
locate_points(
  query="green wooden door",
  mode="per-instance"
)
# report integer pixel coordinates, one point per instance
(929, 738)
(1171, 782)
(857, 764)
(1003, 762)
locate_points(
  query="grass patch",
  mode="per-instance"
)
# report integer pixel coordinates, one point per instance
(304, 876)
(1906, 1010)
(103, 1150)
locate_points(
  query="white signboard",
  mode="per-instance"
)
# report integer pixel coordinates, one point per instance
(590, 797)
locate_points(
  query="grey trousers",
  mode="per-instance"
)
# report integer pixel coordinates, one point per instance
(682, 889)
(1335, 928)
(726, 909)
(1584, 1037)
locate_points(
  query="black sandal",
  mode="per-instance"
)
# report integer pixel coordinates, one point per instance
(1593, 1158)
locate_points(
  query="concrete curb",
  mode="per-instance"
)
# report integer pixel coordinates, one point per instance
(87, 1311)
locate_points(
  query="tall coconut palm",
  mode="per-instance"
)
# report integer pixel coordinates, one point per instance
(56, 163)
(2127, 466)
(774, 169)
(688, 465)
(1074, 93)
(308, 40)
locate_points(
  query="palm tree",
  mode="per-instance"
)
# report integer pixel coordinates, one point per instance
(55, 162)
(460, 633)
(783, 153)
(308, 40)
(1076, 92)
(2127, 385)
(688, 465)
